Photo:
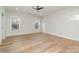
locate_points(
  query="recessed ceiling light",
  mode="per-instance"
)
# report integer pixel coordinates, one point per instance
(16, 8)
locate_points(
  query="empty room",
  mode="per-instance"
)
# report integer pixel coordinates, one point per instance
(39, 29)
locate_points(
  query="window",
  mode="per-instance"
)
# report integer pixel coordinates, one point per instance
(15, 23)
(37, 24)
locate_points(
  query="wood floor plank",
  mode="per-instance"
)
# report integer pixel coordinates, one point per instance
(38, 43)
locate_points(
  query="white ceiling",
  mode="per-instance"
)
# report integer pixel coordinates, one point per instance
(28, 9)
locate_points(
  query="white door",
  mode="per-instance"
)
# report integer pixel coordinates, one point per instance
(3, 25)
(0, 26)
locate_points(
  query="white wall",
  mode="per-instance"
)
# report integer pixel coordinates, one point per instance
(26, 24)
(61, 24)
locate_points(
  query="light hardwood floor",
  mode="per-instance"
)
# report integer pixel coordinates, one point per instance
(38, 43)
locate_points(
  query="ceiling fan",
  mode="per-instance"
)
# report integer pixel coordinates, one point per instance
(38, 8)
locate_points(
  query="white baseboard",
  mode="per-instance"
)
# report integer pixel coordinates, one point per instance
(62, 36)
(21, 34)
(56, 34)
